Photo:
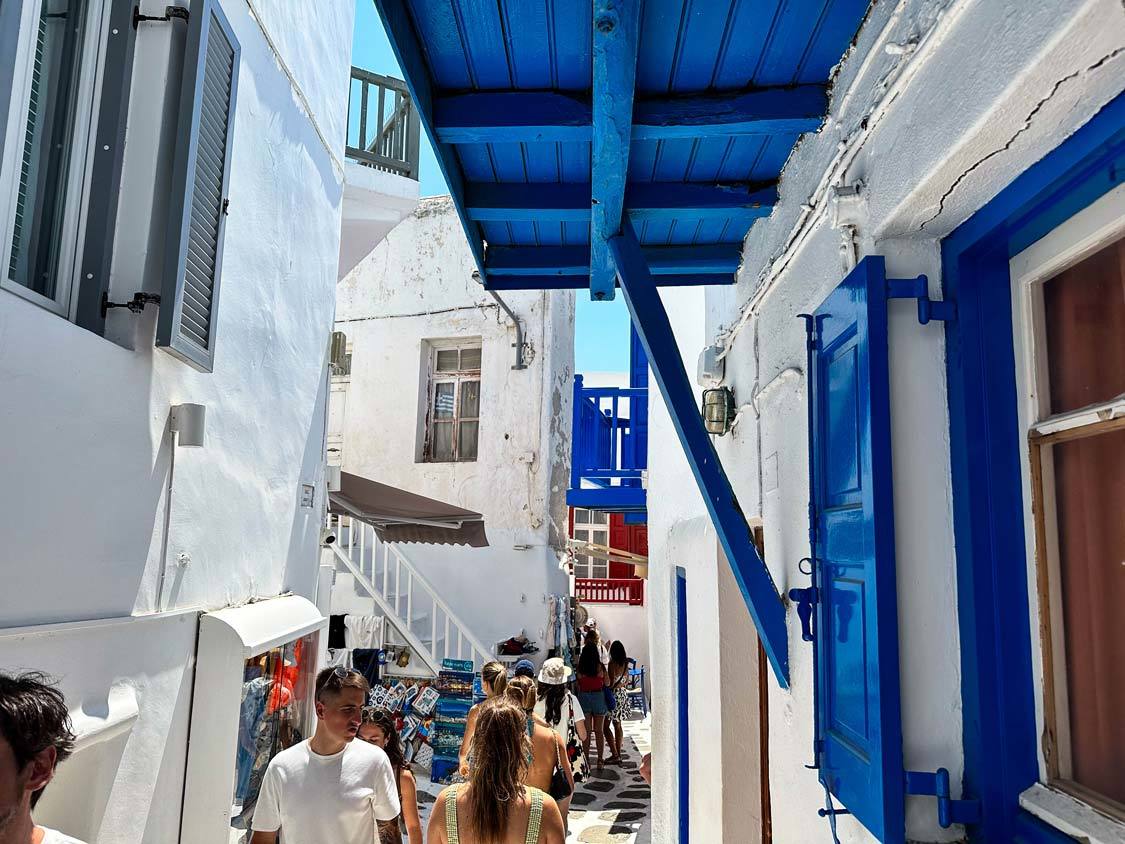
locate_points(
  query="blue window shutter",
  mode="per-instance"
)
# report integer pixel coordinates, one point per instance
(858, 709)
(200, 179)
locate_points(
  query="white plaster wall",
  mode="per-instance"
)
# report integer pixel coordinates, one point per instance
(415, 287)
(627, 623)
(933, 130)
(84, 437)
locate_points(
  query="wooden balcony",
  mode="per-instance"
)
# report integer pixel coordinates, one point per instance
(629, 591)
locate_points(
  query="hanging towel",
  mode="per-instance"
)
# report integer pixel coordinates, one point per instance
(363, 631)
(339, 657)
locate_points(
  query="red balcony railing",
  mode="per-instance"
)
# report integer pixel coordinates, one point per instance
(610, 591)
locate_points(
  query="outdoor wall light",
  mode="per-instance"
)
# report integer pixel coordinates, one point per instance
(718, 410)
(189, 422)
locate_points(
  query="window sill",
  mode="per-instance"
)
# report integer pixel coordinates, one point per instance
(1071, 816)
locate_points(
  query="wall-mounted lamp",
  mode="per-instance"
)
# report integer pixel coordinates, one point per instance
(718, 410)
(189, 421)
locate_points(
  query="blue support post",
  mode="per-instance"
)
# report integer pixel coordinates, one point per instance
(655, 331)
(576, 446)
(616, 40)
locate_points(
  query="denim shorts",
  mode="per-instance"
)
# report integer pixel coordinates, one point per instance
(593, 703)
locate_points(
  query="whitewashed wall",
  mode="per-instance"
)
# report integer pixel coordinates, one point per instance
(415, 287)
(84, 438)
(939, 106)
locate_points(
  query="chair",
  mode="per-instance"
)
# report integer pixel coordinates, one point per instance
(635, 691)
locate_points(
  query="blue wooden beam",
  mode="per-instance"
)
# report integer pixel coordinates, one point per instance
(616, 499)
(762, 111)
(408, 51)
(706, 259)
(616, 40)
(487, 117)
(651, 320)
(570, 202)
(500, 283)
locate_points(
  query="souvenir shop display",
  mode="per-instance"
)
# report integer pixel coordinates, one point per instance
(455, 685)
(562, 639)
(270, 719)
(412, 704)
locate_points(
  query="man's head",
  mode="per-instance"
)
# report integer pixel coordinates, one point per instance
(35, 736)
(340, 697)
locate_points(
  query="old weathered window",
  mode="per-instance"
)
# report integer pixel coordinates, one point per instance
(1071, 299)
(591, 526)
(453, 415)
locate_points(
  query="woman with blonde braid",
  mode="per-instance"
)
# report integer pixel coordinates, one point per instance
(495, 807)
(548, 750)
(494, 679)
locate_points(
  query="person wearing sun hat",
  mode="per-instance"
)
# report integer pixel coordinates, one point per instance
(559, 708)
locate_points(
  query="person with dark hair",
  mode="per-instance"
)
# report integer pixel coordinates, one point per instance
(524, 668)
(495, 807)
(329, 787)
(35, 737)
(378, 728)
(618, 678)
(591, 695)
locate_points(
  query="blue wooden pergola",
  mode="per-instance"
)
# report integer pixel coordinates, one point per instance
(619, 143)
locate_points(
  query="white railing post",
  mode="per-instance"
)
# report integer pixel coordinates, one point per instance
(362, 548)
(445, 641)
(386, 566)
(433, 627)
(409, 597)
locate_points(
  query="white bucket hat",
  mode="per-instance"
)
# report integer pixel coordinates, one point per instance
(554, 672)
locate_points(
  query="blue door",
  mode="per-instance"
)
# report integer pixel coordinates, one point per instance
(858, 711)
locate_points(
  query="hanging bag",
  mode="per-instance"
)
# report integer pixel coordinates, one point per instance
(574, 749)
(560, 785)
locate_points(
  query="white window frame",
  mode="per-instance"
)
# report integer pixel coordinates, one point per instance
(456, 378)
(585, 565)
(1088, 231)
(65, 301)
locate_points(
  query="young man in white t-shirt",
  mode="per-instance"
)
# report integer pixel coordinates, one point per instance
(328, 788)
(35, 736)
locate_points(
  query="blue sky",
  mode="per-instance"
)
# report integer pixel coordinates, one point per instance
(601, 331)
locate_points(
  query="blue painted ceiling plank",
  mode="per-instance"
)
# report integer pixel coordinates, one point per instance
(616, 41)
(491, 202)
(706, 259)
(510, 116)
(408, 51)
(655, 331)
(501, 283)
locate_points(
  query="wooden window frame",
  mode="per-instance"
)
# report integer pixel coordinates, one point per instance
(1076, 239)
(457, 378)
(590, 527)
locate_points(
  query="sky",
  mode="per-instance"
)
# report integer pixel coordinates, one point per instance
(601, 329)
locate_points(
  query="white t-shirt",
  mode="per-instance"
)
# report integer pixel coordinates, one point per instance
(51, 836)
(315, 799)
(564, 713)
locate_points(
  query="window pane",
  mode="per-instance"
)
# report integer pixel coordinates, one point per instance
(447, 360)
(601, 517)
(470, 359)
(1084, 310)
(600, 569)
(581, 535)
(1089, 501)
(443, 400)
(467, 446)
(470, 399)
(442, 449)
(581, 566)
(47, 138)
(582, 517)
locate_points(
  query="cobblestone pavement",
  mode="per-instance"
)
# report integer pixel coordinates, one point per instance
(613, 807)
(609, 808)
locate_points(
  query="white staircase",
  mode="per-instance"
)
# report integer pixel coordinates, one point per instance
(412, 608)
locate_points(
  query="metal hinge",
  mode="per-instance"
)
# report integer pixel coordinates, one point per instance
(919, 288)
(135, 305)
(936, 784)
(170, 13)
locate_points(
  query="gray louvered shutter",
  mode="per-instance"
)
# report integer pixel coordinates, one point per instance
(193, 246)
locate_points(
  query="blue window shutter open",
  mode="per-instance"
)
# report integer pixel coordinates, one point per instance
(200, 179)
(858, 708)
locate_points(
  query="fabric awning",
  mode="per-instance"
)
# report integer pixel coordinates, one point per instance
(401, 516)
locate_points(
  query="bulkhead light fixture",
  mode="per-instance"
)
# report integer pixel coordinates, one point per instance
(718, 410)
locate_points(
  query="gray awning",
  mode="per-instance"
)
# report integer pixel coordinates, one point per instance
(401, 516)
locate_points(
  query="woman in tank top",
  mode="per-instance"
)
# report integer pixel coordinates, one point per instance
(495, 807)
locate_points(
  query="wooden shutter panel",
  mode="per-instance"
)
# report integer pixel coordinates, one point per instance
(857, 672)
(200, 179)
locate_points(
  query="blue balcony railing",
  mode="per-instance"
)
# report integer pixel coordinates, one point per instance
(609, 447)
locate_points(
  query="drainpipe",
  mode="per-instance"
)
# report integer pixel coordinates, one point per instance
(520, 364)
